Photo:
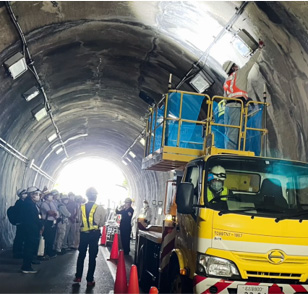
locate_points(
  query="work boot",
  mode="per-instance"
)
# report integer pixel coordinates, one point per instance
(91, 284)
(77, 280)
(28, 270)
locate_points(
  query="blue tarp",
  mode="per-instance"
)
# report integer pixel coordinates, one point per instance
(253, 138)
(191, 134)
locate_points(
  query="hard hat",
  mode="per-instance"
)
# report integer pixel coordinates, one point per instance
(54, 192)
(227, 66)
(217, 173)
(47, 193)
(91, 191)
(32, 189)
(128, 200)
(78, 198)
(64, 196)
(71, 194)
(21, 191)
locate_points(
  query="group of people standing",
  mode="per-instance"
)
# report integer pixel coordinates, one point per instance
(66, 222)
(54, 216)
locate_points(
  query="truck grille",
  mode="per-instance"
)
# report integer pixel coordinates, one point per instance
(273, 275)
(297, 267)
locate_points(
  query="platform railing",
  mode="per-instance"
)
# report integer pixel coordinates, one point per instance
(189, 120)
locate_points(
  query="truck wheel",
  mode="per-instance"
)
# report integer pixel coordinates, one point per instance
(179, 283)
(140, 267)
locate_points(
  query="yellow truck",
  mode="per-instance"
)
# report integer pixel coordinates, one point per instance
(252, 236)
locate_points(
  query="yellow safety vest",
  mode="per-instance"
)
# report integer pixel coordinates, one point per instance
(88, 226)
(210, 195)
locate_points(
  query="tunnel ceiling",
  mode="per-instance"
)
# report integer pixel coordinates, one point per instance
(94, 58)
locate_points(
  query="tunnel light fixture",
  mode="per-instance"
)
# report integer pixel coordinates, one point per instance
(64, 159)
(124, 162)
(16, 65)
(142, 141)
(31, 93)
(132, 154)
(245, 43)
(39, 112)
(200, 82)
(52, 137)
(58, 151)
(128, 159)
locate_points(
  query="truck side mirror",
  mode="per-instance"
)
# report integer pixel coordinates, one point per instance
(184, 198)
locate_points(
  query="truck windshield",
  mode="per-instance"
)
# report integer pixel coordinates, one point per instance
(257, 186)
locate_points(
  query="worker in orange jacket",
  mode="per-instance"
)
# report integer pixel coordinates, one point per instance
(235, 86)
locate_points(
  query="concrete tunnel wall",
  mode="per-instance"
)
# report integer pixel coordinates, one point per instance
(95, 57)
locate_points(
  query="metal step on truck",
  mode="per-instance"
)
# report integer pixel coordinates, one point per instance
(238, 220)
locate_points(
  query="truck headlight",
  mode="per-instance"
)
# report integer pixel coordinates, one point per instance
(216, 266)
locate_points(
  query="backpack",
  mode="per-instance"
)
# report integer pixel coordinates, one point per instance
(12, 215)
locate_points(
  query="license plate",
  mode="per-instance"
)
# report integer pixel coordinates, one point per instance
(251, 289)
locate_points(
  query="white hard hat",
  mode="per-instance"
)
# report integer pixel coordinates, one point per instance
(21, 191)
(54, 192)
(33, 189)
(227, 66)
(217, 173)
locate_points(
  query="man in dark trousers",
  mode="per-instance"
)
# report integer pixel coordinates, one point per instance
(32, 225)
(126, 212)
(92, 218)
(20, 232)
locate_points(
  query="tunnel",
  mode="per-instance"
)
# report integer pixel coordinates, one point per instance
(99, 66)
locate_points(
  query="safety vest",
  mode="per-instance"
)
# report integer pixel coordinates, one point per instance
(231, 89)
(88, 225)
(210, 194)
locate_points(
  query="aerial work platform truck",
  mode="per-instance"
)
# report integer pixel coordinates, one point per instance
(253, 239)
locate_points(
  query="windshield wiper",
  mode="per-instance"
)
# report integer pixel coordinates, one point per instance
(291, 215)
(250, 209)
(237, 210)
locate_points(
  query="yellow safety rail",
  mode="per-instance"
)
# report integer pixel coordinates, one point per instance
(166, 150)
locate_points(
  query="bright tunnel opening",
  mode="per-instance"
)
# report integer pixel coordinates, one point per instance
(106, 177)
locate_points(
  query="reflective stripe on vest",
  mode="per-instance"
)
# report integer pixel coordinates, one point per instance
(221, 107)
(231, 89)
(210, 195)
(88, 226)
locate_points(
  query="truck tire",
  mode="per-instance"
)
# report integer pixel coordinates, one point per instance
(140, 267)
(178, 282)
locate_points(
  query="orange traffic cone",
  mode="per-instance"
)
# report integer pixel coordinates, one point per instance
(133, 286)
(114, 254)
(153, 290)
(120, 285)
(104, 237)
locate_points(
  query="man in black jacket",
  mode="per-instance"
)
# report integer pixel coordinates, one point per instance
(32, 225)
(20, 232)
(126, 212)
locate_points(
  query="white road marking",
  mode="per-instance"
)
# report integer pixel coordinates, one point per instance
(111, 265)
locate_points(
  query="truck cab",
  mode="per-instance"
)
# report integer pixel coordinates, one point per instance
(256, 234)
(252, 236)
